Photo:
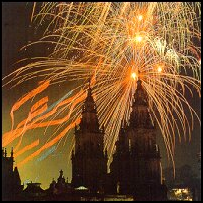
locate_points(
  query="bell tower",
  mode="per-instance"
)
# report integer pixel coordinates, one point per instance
(89, 161)
(137, 154)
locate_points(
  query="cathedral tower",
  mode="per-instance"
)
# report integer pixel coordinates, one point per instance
(89, 162)
(136, 165)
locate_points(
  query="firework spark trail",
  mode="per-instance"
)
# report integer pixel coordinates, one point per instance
(26, 148)
(56, 103)
(113, 40)
(10, 136)
(46, 154)
(13, 134)
(38, 114)
(30, 117)
(75, 103)
(23, 126)
(28, 96)
(52, 142)
(39, 103)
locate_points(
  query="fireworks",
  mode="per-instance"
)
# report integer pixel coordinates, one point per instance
(114, 44)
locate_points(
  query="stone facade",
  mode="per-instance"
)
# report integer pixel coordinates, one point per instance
(89, 161)
(136, 166)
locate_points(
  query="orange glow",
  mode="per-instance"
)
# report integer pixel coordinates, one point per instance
(138, 38)
(140, 17)
(200, 61)
(134, 76)
(159, 69)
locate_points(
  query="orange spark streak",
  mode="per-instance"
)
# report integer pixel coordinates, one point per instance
(30, 117)
(19, 131)
(39, 103)
(28, 96)
(52, 142)
(13, 134)
(26, 148)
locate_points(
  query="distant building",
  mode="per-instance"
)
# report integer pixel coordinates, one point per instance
(61, 186)
(89, 161)
(11, 183)
(33, 192)
(135, 168)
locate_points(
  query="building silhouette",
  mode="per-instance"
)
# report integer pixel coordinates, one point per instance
(33, 192)
(135, 171)
(11, 183)
(135, 168)
(60, 186)
(89, 161)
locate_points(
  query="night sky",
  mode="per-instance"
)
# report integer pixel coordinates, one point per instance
(17, 31)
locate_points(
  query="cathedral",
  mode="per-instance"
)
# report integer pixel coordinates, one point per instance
(136, 166)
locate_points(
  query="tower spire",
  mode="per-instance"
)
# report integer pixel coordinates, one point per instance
(140, 96)
(89, 113)
(89, 91)
(140, 116)
(12, 152)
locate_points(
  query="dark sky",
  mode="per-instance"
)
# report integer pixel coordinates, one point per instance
(17, 31)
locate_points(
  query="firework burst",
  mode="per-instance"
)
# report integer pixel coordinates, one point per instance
(114, 44)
